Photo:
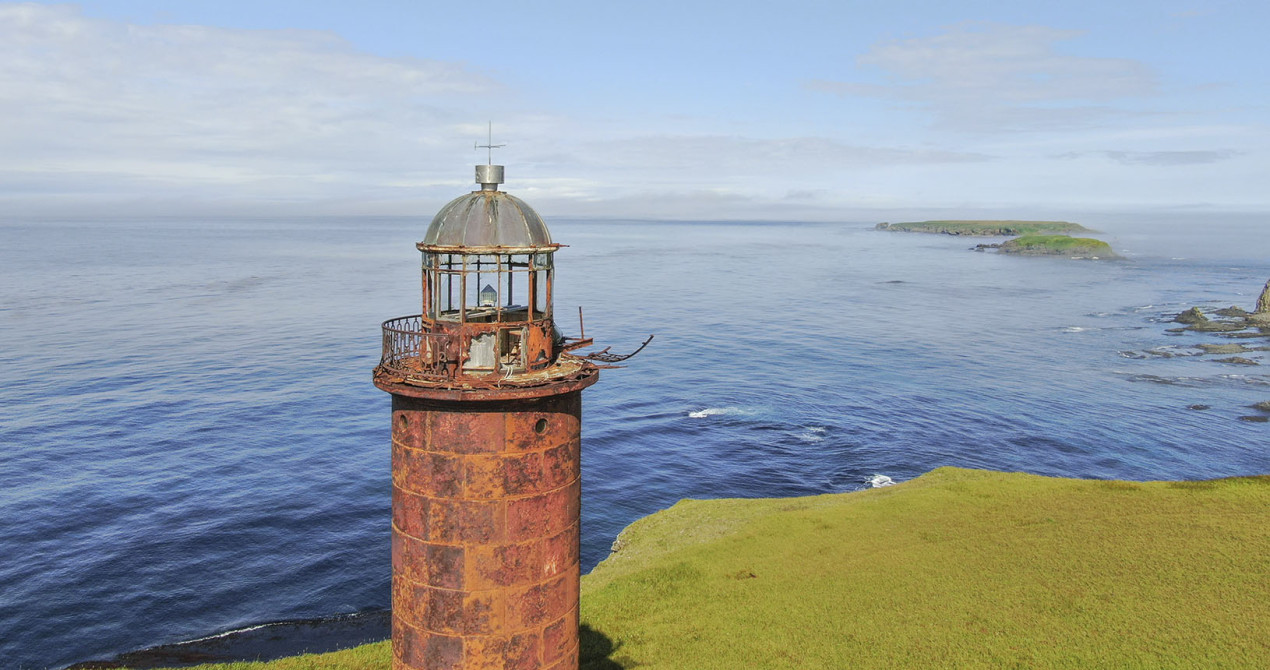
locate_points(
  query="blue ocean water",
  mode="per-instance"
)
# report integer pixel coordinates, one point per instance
(190, 442)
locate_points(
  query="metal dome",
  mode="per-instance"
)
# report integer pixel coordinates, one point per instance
(487, 218)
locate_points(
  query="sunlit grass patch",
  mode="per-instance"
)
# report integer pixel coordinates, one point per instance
(374, 656)
(957, 568)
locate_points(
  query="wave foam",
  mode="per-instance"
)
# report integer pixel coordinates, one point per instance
(713, 411)
(878, 481)
(813, 434)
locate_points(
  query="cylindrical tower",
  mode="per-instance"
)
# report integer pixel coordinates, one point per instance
(486, 441)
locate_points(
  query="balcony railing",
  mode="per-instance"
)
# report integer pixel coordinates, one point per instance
(408, 351)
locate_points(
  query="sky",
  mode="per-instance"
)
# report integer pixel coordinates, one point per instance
(677, 110)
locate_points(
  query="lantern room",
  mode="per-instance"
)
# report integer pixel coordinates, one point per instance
(487, 293)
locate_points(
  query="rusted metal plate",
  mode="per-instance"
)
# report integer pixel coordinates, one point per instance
(485, 530)
(570, 374)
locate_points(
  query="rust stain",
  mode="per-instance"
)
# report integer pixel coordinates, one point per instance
(485, 528)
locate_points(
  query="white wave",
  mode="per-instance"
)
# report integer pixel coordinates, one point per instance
(878, 481)
(812, 434)
(1255, 380)
(1075, 329)
(713, 411)
(236, 631)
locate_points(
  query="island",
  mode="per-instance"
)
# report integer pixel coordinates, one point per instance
(1058, 245)
(987, 228)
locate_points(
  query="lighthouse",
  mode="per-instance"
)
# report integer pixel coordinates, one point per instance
(486, 441)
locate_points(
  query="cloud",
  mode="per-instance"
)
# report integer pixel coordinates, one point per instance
(1165, 158)
(732, 155)
(282, 113)
(106, 118)
(195, 118)
(991, 77)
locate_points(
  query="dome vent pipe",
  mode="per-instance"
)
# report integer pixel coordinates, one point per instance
(489, 176)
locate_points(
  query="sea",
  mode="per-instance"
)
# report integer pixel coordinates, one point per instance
(190, 442)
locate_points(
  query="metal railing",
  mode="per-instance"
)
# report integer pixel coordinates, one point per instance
(408, 351)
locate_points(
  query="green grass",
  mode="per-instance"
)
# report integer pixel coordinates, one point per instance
(957, 568)
(986, 227)
(375, 656)
(1058, 245)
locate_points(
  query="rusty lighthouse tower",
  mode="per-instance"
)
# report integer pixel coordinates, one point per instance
(486, 441)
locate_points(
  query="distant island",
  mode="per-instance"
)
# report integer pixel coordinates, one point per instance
(1058, 245)
(1035, 238)
(985, 228)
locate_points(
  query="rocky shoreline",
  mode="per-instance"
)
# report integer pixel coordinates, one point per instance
(1231, 322)
(263, 642)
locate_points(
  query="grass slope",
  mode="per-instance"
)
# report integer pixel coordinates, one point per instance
(987, 228)
(1057, 245)
(375, 656)
(957, 568)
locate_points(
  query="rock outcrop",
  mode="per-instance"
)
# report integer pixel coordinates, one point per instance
(1191, 316)
(1224, 349)
(1233, 310)
(1261, 315)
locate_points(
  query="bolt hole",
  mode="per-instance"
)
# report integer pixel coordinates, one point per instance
(403, 422)
(541, 426)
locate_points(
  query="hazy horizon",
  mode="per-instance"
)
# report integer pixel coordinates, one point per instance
(700, 110)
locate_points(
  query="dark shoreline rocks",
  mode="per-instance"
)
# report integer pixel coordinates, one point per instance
(1233, 310)
(1235, 348)
(1217, 327)
(264, 642)
(1191, 316)
(1236, 360)
(1232, 322)
(1235, 319)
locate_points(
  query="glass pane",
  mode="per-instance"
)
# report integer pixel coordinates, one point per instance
(507, 286)
(542, 302)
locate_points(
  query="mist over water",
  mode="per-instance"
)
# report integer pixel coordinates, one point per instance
(190, 442)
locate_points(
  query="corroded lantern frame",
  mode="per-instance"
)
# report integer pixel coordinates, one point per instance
(472, 335)
(485, 325)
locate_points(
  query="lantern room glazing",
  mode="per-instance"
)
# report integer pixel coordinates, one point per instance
(487, 274)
